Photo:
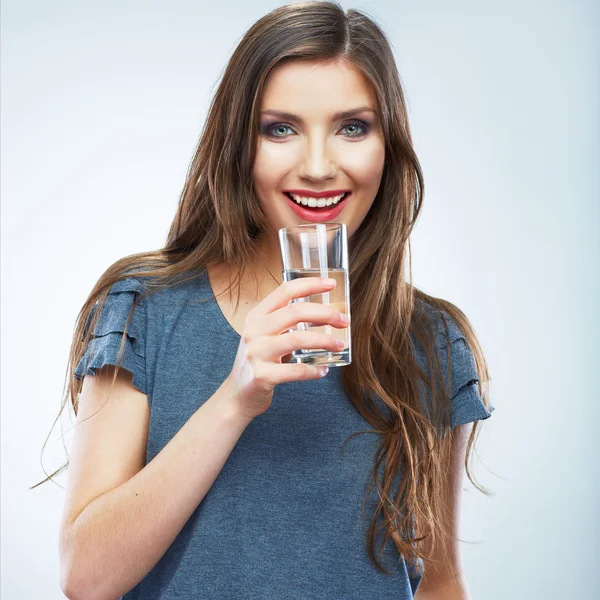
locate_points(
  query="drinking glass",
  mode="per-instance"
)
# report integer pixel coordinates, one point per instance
(319, 250)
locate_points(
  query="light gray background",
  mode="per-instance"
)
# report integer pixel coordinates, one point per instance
(102, 105)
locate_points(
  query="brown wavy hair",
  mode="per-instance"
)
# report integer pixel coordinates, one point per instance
(219, 218)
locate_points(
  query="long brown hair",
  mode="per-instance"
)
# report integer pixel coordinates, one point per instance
(219, 219)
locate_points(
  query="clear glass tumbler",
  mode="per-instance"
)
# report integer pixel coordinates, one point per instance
(319, 250)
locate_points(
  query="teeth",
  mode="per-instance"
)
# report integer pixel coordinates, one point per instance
(316, 203)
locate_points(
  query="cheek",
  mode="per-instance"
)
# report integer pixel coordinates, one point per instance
(272, 162)
(364, 163)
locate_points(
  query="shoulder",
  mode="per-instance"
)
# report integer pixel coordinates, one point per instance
(161, 289)
(129, 283)
(438, 321)
(455, 342)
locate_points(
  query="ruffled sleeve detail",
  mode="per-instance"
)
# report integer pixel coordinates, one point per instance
(467, 404)
(103, 348)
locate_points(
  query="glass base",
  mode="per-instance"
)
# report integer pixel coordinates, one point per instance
(322, 357)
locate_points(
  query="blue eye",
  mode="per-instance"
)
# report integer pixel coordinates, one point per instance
(268, 130)
(361, 125)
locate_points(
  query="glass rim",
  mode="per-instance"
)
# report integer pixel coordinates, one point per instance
(312, 226)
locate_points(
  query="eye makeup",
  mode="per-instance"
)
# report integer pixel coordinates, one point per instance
(364, 126)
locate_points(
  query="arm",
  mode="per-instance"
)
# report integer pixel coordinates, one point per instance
(110, 544)
(449, 591)
(448, 582)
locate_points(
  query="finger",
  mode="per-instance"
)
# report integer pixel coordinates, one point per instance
(294, 372)
(286, 292)
(306, 312)
(271, 348)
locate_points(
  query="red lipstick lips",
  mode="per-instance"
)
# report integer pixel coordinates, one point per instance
(317, 215)
(311, 194)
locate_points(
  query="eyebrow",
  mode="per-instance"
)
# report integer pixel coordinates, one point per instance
(344, 114)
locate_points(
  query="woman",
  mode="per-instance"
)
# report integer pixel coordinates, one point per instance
(208, 465)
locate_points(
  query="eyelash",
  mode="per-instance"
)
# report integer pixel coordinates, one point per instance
(266, 130)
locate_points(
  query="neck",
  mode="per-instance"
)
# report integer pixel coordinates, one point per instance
(260, 277)
(267, 269)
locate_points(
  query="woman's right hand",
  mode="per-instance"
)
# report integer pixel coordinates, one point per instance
(257, 368)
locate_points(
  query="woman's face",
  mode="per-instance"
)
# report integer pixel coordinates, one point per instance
(310, 149)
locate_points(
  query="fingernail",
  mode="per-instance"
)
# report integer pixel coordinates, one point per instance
(344, 317)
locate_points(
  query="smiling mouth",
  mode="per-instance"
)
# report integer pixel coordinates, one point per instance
(313, 203)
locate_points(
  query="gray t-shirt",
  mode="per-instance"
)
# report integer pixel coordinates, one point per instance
(283, 518)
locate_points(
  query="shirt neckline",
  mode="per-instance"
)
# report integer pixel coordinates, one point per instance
(220, 315)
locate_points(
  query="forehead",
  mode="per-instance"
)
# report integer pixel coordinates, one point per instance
(306, 87)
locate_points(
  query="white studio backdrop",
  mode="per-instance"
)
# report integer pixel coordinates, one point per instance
(101, 107)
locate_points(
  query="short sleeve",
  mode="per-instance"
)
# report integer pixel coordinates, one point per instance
(467, 405)
(104, 345)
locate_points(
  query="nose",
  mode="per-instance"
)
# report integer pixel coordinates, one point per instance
(317, 163)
